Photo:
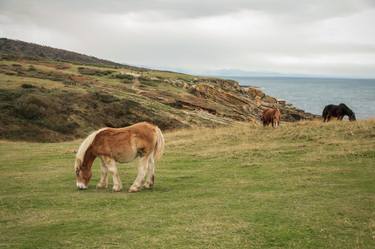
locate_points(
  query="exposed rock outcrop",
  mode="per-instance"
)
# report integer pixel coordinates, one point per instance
(43, 99)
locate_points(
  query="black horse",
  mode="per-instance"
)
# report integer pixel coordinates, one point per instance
(338, 111)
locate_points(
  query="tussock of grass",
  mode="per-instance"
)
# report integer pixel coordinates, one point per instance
(303, 185)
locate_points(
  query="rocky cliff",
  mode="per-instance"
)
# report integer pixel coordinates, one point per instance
(52, 99)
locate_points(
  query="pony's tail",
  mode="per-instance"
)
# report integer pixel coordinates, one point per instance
(325, 113)
(159, 147)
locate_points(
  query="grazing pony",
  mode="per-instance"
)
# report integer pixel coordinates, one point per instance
(338, 111)
(271, 116)
(111, 145)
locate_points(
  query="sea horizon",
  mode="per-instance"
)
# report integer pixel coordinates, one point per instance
(312, 94)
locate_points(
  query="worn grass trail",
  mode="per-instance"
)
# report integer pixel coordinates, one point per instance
(304, 185)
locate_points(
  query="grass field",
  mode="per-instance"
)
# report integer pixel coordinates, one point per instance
(304, 185)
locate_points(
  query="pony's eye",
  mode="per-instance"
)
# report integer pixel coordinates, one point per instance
(77, 172)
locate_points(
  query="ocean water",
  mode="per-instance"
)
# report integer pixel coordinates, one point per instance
(313, 94)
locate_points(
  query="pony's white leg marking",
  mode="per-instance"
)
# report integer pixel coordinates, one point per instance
(111, 165)
(103, 182)
(142, 167)
(150, 173)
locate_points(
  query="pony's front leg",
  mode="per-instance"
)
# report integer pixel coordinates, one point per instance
(103, 182)
(111, 165)
(141, 175)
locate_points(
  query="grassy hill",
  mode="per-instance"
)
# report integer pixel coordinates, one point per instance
(304, 185)
(15, 49)
(49, 94)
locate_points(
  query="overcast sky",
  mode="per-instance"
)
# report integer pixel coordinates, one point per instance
(321, 37)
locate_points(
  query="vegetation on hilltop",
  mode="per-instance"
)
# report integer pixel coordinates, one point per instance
(15, 49)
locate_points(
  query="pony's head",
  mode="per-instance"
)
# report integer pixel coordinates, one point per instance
(83, 174)
(348, 112)
(352, 117)
(84, 160)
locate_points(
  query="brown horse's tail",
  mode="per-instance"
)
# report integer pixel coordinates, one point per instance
(159, 147)
(276, 117)
(278, 113)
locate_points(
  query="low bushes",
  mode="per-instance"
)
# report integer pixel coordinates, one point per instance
(94, 72)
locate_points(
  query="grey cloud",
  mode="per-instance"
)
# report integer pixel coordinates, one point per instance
(193, 9)
(282, 36)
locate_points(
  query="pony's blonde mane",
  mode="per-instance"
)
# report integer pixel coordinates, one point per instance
(84, 146)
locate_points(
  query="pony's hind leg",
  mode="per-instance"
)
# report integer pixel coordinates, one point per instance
(142, 167)
(103, 182)
(111, 165)
(150, 175)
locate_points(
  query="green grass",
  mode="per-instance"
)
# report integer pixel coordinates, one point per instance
(304, 185)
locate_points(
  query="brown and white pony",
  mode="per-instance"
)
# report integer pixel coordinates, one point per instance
(271, 116)
(142, 140)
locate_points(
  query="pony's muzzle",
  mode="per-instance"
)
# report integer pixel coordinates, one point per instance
(81, 186)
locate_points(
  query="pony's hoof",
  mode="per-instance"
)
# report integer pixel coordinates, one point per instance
(133, 189)
(116, 188)
(148, 185)
(101, 186)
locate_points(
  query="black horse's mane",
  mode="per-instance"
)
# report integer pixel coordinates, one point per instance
(346, 109)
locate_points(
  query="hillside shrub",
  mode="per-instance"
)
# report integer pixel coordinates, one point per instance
(62, 66)
(31, 68)
(105, 97)
(27, 86)
(94, 72)
(29, 110)
(59, 124)
(32, 106)
(123, 76)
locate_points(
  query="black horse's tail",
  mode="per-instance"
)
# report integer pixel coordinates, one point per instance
(325, 112)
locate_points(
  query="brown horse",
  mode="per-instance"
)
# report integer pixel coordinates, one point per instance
(271, 116)
(142, 140)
